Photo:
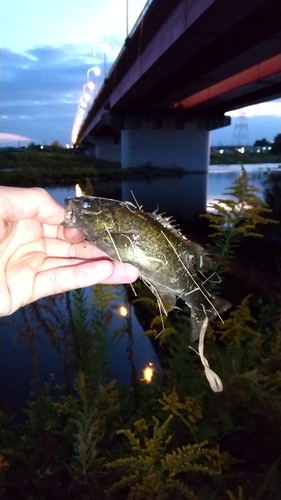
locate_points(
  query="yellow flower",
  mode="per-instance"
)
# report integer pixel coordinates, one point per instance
(140, 425)
(3, 462)
(171, 403)
(193, 408)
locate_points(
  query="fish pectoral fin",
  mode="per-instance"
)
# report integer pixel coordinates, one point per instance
(166, 298)
(167, 301)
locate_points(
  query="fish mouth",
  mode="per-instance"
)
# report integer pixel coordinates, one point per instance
(69, 213)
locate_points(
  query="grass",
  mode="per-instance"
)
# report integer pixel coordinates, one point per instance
(236, 157)
(46, 168)
(36, 168)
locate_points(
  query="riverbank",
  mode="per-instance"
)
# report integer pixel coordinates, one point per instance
(45, 169)
(233, 157)
(39, 168)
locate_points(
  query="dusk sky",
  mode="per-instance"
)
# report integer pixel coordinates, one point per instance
(47, 47)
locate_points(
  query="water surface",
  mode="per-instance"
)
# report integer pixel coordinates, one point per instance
(182, 197)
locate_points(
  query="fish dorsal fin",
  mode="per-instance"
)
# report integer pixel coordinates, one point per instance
(167, 298)
(167, 222)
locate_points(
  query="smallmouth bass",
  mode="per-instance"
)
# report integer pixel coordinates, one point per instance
(169, 263)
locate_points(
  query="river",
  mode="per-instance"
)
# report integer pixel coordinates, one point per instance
(176, 196)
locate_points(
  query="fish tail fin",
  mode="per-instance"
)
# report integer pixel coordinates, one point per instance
(220, 306)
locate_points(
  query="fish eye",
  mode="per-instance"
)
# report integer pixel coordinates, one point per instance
(85, 204)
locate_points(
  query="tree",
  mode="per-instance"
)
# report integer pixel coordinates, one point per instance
(262, 143)
(32, 145)
(57, 145)
(276, 147)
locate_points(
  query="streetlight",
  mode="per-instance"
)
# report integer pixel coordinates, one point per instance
(96, 71)
(104, 48)
(127, 18)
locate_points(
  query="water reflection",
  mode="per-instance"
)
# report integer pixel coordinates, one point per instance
(103, 189)
(44, 329)
(60, 193)
(181, 197)
(221, 177)
(184, 198)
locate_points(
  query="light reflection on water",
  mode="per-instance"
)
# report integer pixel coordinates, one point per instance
(177, 196)
(50, 320)
(221, 177)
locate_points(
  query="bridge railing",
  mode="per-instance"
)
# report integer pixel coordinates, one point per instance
(133, 30)
(110, 74)
(139, 19)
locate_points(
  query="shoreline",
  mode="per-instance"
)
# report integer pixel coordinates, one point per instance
(45, 169)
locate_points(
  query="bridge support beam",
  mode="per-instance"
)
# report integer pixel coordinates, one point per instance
(164, 142)
(108, 148)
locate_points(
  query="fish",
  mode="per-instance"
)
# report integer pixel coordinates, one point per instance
(170, 264)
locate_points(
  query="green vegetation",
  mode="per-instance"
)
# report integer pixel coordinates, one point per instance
(233, 157)
(57, 166)
(35, 167)
(236, 217)
(260, 153)
(173, 438)
(276, 147)
(39, 168)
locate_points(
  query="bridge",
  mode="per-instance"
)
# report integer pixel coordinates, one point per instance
(185, 63)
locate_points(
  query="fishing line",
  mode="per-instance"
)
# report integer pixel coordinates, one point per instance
(135, 200)
(215, 281)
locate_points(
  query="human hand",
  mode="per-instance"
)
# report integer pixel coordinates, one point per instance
(39, 257)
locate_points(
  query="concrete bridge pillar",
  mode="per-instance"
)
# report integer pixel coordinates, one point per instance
(164, 141)
(108, 148)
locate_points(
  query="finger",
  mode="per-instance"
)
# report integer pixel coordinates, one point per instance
(83, 250)
(71, 234)
(63, 279)
(121, 273)
(56, 262)
(21, 203)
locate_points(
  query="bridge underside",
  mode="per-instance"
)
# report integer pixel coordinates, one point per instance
(162, 140)
(186, 63)
(184, 47)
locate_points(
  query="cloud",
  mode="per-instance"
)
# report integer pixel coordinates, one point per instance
(44, 68)
(41, 88)
(264, 109)
(12, 137)
(48, 74)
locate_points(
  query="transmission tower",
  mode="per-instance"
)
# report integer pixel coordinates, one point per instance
(241, 131)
